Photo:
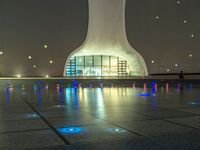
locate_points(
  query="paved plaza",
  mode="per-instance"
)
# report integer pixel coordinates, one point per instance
(48, 116)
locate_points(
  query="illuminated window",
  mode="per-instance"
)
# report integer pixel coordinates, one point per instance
(113, 61)
(88, 61)
(97, 66)
(97, 60)
(105, 60)
(80, 60)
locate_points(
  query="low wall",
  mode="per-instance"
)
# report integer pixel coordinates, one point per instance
(105, 82)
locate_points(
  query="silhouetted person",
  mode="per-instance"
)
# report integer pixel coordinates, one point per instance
(181, 75)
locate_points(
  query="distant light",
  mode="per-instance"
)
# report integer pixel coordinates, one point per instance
(18, 76)
(185, 21)
(152, 61)
(190, 55)
(192, 35)
(34, 66)
(168, 70)
(29, 57)
(1, 53)
(176, 65)
(157, 17)
(51, 61)
(47, 76)
(45, 46)
(178, 2)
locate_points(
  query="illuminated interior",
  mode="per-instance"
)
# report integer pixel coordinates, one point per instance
(100, 65)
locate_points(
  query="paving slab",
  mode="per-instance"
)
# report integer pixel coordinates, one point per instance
(28, 140)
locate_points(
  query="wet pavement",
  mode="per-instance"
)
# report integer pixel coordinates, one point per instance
(56, 116)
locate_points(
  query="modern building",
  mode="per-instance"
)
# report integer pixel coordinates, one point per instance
(106, 50)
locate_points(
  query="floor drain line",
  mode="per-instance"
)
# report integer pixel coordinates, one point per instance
(54, 129)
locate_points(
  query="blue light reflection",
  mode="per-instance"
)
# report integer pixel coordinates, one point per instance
(153, 88)
(7, 96)
(153, 91)
(144, 94)
(75, 83)
(76, 98)
(61, 96)
(39, 96)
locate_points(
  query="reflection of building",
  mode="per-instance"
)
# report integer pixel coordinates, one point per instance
(106, 50)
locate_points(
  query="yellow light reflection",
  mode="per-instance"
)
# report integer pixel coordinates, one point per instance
(100, 103)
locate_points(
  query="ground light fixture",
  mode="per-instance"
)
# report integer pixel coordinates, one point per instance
(70, 130)
(116, 130)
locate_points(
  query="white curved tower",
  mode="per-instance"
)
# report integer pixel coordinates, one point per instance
(106, 50)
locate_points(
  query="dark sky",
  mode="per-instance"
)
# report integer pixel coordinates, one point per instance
(165, 31)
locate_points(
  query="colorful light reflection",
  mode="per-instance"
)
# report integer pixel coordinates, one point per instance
(145, 87)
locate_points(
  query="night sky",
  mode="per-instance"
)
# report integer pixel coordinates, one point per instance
(165, 32)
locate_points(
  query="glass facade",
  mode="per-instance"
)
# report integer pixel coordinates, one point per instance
(97, 66)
